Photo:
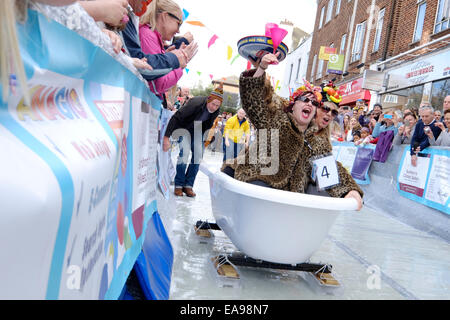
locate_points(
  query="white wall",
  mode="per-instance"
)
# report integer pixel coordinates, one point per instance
(292, 61)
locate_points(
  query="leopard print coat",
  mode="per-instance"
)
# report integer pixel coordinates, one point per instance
(283, 162)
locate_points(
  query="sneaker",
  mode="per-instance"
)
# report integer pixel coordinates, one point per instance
(178, 192)
(189, 192)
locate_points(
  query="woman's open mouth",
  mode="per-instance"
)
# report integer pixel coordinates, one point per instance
(306, 112)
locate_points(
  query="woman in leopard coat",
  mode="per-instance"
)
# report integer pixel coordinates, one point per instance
(286, 165)
(318, 138)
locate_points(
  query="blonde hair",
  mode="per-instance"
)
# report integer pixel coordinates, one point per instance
(157, 7)
(10, 58)
(172, 94)
(335, 127)
(329, 129)
(357, 126)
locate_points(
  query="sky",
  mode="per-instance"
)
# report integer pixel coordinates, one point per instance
(232, 20)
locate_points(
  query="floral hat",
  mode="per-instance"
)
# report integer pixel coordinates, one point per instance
(304, 89)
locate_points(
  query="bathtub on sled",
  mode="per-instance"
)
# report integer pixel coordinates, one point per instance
(269, 224)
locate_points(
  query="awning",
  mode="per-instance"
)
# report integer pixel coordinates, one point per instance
(352, 91)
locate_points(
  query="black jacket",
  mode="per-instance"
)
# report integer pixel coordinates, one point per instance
(188, 113)
(166, 60)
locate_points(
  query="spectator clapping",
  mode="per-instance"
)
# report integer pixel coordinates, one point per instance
(444, 137)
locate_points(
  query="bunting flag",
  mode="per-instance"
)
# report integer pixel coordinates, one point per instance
(230, 52)
(235, 57)
(185, 14)
(212, 40)
(196, 23)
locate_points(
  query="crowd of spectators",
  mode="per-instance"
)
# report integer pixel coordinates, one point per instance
(419, 128)
(142, 35)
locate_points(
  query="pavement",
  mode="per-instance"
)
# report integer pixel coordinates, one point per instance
(374, 257)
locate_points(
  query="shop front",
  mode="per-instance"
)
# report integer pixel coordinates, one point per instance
(425, 80)
(353, 91)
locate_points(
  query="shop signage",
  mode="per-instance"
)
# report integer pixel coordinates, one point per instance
(325, 52)
(419, 72)
(373, 80)
(336, 63)
(352, 91)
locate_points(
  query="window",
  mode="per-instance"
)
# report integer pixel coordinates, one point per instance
(322, 12)
(338, 6)
(304, 70)
(313, 68)
(439, 91)
(319, 69)
(290, 73)
(298, 69)
(442, 16)
(343, 43)
(422, 7)
(329, 11)
(391, 98)
(358, 41)
(376, 43)
(414, 96)
(409, 98)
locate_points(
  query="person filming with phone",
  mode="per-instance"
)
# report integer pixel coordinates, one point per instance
(386, 121)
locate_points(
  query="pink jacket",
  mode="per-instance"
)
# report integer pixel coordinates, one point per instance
(151, 43)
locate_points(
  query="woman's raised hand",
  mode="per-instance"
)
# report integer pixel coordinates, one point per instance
(190, 50)
(269, 59)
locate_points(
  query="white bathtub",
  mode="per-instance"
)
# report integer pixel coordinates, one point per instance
(269, 224)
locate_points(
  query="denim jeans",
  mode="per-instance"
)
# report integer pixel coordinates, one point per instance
(185, 178)
(232, 151)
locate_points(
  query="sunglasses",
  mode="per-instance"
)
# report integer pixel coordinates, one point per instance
(180, 22)
(327, 109)
(306, 100)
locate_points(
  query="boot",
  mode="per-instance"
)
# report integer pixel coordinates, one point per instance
(189, 192)
(178, 192)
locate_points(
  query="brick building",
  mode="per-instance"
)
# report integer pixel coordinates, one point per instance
(397, 52)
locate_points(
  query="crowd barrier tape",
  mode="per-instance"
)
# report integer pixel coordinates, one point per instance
(356, 162)
(428, 182)
(78, 178)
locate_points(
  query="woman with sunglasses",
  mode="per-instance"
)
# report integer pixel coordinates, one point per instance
(319, 138)
(285, 124)
(160, 23)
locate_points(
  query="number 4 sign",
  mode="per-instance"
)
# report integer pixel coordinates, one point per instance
(325, 172)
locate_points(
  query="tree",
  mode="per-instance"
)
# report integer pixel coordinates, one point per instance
(201, 91)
